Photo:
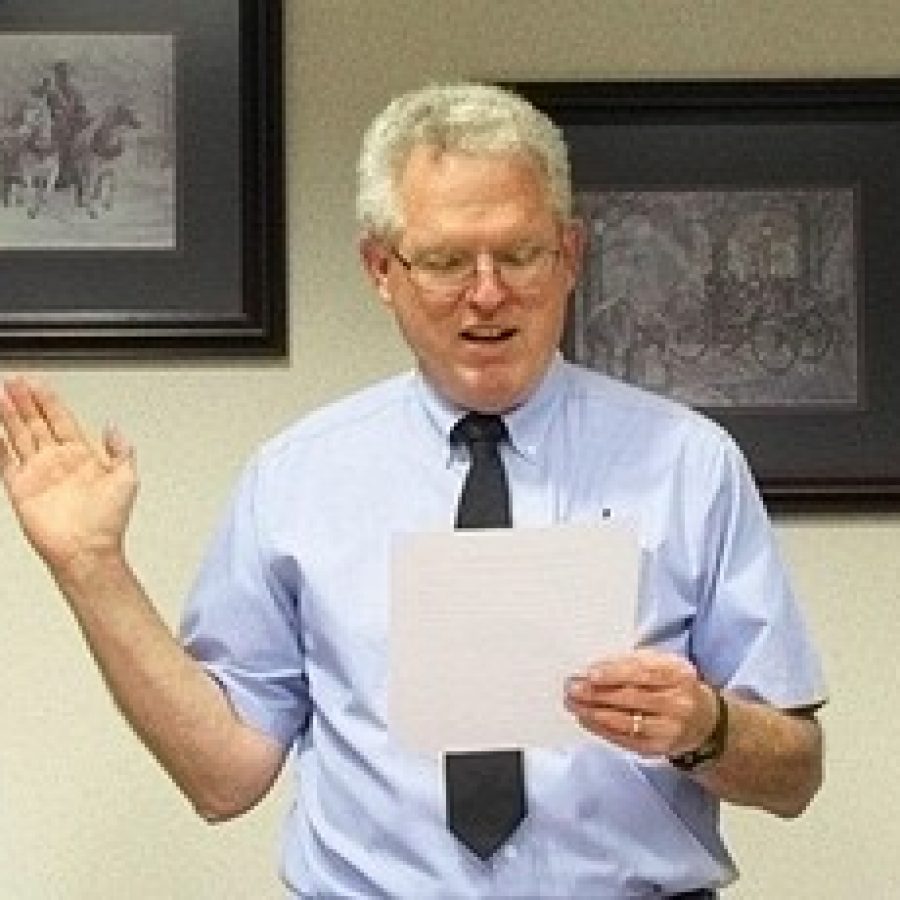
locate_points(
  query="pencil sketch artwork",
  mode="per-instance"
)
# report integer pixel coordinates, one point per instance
(723, 298)
(87, 141)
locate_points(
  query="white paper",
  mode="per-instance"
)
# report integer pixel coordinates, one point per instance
(486, 625)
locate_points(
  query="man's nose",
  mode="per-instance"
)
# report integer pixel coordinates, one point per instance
(488, 290)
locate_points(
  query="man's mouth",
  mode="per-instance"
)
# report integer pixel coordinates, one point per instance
(487, 335)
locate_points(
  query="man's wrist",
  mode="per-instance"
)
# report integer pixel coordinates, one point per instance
(86, 572)
(713, 746)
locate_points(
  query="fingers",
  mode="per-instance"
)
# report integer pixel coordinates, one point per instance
(22, 423)
(643, 668)
(644, 701)
(643, 732)
(648, 700)
(615, 714)
(62, 424)
(616, 708)
(6, 460)
(117, 448)
(643, 680)
(33, 416)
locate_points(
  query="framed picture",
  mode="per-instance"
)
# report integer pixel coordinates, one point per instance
(141, 179)
(742, 257)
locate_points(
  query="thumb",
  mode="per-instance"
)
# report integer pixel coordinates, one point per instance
(117, 447)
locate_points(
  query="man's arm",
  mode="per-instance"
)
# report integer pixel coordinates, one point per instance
(655, 704)
(772, 759)
(73, 499)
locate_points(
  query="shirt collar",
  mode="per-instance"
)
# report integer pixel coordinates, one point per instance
(527, 424)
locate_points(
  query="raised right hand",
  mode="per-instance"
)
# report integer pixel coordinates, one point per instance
(72, 496)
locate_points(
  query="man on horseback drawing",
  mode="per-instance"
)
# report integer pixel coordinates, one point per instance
(70, 116)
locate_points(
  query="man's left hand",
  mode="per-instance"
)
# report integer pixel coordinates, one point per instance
(651, 702)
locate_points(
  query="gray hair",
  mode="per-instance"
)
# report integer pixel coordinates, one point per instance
(468, 118)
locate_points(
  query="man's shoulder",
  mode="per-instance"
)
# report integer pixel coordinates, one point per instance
(650, 430)
(364, 414)
(603, 397)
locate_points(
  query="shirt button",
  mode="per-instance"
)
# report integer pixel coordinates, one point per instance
(510, 852)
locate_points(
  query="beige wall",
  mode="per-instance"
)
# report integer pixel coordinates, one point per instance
(83, 812)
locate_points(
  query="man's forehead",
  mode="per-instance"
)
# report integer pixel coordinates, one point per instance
(428, 156)
(451, 178)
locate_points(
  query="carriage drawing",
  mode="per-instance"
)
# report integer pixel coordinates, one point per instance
(779, 323)
(721, 297)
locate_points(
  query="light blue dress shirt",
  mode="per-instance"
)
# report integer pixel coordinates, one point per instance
(290, 614)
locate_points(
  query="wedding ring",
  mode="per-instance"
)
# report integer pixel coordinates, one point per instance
(637, 724)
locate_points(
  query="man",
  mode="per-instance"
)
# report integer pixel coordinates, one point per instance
(467, 236)
(70, 116)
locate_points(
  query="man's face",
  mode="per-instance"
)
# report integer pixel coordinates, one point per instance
(486, 346)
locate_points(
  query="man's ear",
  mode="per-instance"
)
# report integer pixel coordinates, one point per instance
(573, 242)
(376, 261)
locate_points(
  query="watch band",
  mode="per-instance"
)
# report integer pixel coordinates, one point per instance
(713, 747)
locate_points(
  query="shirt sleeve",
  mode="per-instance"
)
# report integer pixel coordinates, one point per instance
(242, 623)
(749, 633)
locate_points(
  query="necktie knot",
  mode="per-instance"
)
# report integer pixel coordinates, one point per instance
(484, 501)
(479, 428)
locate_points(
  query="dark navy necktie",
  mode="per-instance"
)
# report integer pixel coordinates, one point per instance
(485, 789)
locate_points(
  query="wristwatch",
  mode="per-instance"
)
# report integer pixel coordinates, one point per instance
(713, 747)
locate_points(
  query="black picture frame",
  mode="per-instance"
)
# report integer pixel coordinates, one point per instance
(739, 135)
(220, 289)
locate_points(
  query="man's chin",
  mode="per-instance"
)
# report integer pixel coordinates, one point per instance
(488, 391)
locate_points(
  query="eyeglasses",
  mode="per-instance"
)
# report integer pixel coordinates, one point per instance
(520, 268)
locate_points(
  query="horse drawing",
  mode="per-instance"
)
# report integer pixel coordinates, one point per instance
(12, 186)
(95, 152)
(38, 155)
